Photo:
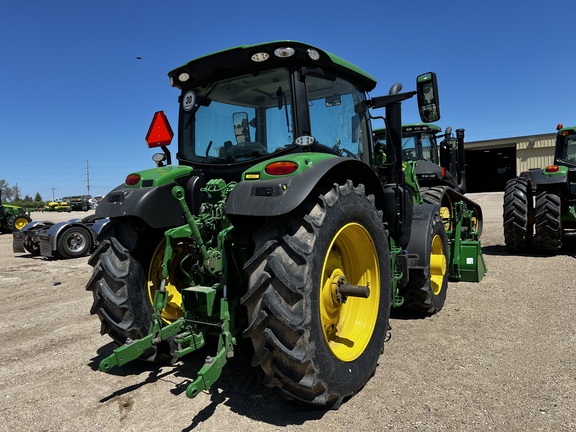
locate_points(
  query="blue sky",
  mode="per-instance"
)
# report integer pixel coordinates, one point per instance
(72, 91)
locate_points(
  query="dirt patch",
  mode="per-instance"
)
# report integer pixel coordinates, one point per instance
(499, 356)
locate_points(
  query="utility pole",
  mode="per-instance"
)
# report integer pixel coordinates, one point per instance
(87, 179)
(53, 194)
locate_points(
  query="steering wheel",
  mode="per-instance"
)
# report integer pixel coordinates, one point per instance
(347, 153)
(247, 149)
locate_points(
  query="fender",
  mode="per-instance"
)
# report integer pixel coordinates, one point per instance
(539, 178)
(98, 226)
(155, 205)
(48, 240)
(418, 244)
(28, 233)
(282, 195)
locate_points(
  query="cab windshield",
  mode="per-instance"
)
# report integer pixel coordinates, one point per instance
(569, 149)
(251, 117)
(236, 120)
(419, 147)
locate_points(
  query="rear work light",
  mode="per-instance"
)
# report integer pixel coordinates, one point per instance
(284, 52)
(132, 179)
(281, 168)
(552, 168)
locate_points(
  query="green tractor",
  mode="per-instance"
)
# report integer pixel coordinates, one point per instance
(437, 160)
(12, 218)
(540, 205)
(281, 225)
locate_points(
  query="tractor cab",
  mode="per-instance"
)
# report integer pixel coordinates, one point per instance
(252, 103)
(565, 152)
(438, 157)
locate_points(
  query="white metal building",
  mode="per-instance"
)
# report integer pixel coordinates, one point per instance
(489, 164)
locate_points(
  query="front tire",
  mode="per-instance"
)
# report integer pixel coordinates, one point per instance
(308, 343)
(425, 292)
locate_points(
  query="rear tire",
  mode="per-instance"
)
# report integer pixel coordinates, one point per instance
(74, 242)
(518, 214)
(548, 220)
(309, 345)
(32, 247)
(119, 281)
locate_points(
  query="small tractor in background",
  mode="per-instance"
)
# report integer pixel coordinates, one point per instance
(12, 218)
(281, 225)
(437, 160)
(540, 205)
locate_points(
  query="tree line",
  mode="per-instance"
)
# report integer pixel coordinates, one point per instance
(12, 195)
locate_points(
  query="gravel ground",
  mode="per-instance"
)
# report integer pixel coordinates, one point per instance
(499, 356)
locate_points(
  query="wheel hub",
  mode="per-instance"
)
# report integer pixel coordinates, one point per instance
(348, 308)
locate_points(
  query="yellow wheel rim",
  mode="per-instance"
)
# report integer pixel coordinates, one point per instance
(174, 284)
(447, 212)
(348, 326)
(446, 218)
(475, 219)
(20, 223)
(437, 265)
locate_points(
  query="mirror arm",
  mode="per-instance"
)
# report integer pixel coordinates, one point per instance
(383, 101)
(168, 155)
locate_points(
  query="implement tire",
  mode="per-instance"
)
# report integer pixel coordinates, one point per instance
(548, 221)
(311, 346)
(518, 214)
(119, 281)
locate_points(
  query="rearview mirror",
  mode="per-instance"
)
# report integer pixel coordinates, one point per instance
(241, 129)
(428, 101)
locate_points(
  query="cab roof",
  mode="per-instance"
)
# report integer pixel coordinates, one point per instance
(240, 60)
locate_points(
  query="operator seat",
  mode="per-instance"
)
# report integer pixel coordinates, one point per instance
(225, 149)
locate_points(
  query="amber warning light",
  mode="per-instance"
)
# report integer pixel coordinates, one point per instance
(160, 132)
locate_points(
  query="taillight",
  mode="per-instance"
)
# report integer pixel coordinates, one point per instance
(132, 179)
(281, 168)
(552, 168)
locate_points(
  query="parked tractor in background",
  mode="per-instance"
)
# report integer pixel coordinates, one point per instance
(12, 218)
(78, 203)
(540, 205)
(437, 160)
(280, 225)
